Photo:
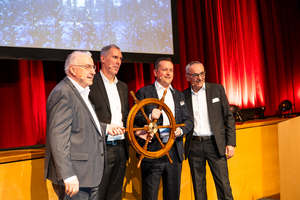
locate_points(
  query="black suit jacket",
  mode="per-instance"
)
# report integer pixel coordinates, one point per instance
(74, 145)
(182, 116)
(220, 117)
(99, 98)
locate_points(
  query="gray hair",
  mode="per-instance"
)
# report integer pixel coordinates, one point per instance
(105, 50)
(187, 68)
(71, 58)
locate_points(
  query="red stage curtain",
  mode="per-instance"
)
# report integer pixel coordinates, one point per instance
(23, 103)
(250, 47)
(280, 22)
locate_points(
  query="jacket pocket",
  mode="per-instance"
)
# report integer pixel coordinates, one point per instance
(79, 156)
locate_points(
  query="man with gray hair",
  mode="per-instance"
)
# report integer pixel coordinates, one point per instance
(75, 149)
(213, 137)
(110, 97)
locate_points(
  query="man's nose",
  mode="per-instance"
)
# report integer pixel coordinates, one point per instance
(119, 61)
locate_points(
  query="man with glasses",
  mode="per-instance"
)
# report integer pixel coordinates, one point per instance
(110, 98)
(75, 149)
(213, 138)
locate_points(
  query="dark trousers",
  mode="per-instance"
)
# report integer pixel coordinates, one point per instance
(200, 152)
(82, 194)
(161, 168)
(112, 181)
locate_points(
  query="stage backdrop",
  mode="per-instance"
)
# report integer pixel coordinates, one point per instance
(250, 47)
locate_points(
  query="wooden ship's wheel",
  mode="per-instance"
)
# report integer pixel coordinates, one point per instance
(151, 128)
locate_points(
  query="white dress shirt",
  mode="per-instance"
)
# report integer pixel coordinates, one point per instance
(201, 120)
(115, 105)
(164, 133)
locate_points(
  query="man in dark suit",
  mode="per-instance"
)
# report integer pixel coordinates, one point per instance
(75, 149)
(110, 98)
(213, 138)
(155, 169)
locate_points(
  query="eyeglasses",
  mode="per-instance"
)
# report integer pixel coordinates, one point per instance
(87, 67)
(202, 74)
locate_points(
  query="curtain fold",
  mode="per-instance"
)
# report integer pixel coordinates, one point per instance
(23, 108)
(280, 34)
(250, 47)
(241, 56)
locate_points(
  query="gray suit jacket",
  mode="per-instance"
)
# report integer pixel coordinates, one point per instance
(99, 98)
(220, 117)
(182, 116)
(74, 145)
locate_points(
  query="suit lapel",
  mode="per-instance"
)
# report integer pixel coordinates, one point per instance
(153, 91)
(102, 89)
(189, 102)
(121, 97)
(208, 98)
(66, 79)
(176, 99)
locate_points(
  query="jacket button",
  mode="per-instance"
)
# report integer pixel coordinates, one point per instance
(100, 140)
(102, 154)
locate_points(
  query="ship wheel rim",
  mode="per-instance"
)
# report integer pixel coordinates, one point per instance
(131, 136)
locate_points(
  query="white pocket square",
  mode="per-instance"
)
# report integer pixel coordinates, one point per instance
(215, 100)
(181, 103)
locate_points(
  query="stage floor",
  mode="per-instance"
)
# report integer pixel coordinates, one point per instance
(253, 171)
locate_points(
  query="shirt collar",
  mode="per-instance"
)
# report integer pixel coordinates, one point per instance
(203, 88)
(106, 80)
(82, 91)
(159, 87)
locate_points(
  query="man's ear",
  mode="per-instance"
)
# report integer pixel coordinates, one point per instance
(102, 59)
(155, 72)
(72, 70)
(186, 77)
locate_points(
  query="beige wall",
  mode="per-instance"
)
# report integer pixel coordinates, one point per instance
(289, 159)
